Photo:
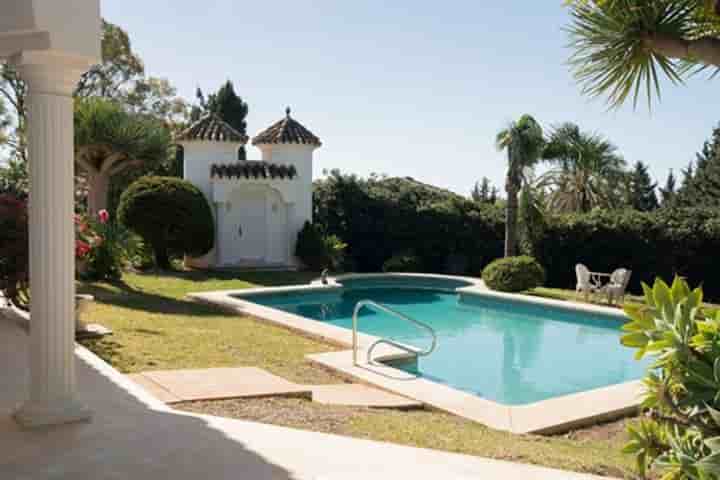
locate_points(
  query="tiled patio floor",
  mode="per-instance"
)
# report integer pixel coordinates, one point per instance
(135, 436)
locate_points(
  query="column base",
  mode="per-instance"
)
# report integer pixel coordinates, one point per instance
(41, 414)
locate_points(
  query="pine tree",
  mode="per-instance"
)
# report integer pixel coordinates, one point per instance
(668, 192)
(482, 191)
(701, 182)
(642, 189)
(227, 105)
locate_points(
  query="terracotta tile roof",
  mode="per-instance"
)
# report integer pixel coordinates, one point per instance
(253, 169)
(211, 128)
(287, 130)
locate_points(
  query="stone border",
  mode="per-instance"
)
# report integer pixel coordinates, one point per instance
(554, 415)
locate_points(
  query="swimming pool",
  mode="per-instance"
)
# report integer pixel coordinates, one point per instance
(509, 352)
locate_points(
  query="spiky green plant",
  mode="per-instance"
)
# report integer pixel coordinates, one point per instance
(680, 438)
(622, 48)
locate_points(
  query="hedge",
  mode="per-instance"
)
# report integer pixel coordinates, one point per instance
(663, 243)
(379, 218)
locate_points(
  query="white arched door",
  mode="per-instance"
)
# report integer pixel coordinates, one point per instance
(244, 227)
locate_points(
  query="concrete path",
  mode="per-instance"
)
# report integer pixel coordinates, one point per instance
(134, 435)
(356, 395)
(173, 386)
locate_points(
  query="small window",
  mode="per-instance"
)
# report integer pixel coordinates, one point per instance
(242, 154)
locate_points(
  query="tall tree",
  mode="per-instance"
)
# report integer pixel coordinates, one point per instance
(227, 105)
(642, 189)
(109, 141)
(523, 141)
(587, 173)
(120, 77)
(668, 192)
(482, 191)
(701, 183)
(622, 47)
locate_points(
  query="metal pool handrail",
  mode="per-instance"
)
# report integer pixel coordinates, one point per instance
(417, 352)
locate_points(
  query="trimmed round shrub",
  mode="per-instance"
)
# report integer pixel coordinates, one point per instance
(513, 274)
(171, 215)
(406, 262)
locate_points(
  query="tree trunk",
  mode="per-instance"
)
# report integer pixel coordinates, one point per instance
(162, 259)
(511, 209)
(705, 50)
(98, 187)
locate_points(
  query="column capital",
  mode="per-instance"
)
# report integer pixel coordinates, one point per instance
(50, 72)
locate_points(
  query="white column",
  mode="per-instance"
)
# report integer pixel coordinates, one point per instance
(51, 79)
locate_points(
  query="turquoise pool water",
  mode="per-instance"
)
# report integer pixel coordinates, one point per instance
(508, 352)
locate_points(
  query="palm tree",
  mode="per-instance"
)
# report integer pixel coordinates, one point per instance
(109, 140)
(589, 173)
(523, 140)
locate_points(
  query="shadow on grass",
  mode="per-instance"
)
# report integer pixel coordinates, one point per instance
(263, 279)
(134, 299)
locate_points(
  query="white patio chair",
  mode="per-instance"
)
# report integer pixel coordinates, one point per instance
(584, 281)
(615, 289)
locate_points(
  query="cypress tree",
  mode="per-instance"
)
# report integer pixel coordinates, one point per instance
(642, 189)
(701, 183)
(668, 192)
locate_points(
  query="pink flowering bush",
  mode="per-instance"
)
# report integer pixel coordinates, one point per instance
(98, 248)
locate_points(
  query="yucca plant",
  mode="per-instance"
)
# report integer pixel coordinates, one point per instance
(109, 140)
(622, 48)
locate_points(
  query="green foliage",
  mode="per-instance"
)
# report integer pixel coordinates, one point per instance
(701, 185)
(171, 215)
(680, 438)
(318, 251)
(586, 170)
(105, 258)
(378, 217)
(227, 105)
(642, 189)
(513, 274)
(14, 178)
(665, 242)
(524, 142)
(405, 262)
(113, 144)
(14, 250)
(622, 47)
(669, 191)
(484, 192)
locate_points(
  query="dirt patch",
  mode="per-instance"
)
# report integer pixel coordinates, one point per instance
(604, 431)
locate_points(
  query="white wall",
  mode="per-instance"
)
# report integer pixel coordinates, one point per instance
(293, 197)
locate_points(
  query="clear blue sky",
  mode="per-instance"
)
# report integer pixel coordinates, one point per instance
(410, 88)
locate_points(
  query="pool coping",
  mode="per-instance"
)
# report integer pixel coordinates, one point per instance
(553, 415)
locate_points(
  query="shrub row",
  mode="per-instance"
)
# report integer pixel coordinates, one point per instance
(381, 218)
(663, 243)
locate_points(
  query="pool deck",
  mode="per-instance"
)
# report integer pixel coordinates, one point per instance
(548, 416)
(134, 435)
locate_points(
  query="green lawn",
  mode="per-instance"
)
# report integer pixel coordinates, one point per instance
(570, 295)
(155, 327)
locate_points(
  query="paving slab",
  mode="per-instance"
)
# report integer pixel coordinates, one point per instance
(154, 389)
(357, 395)
(222, 383)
